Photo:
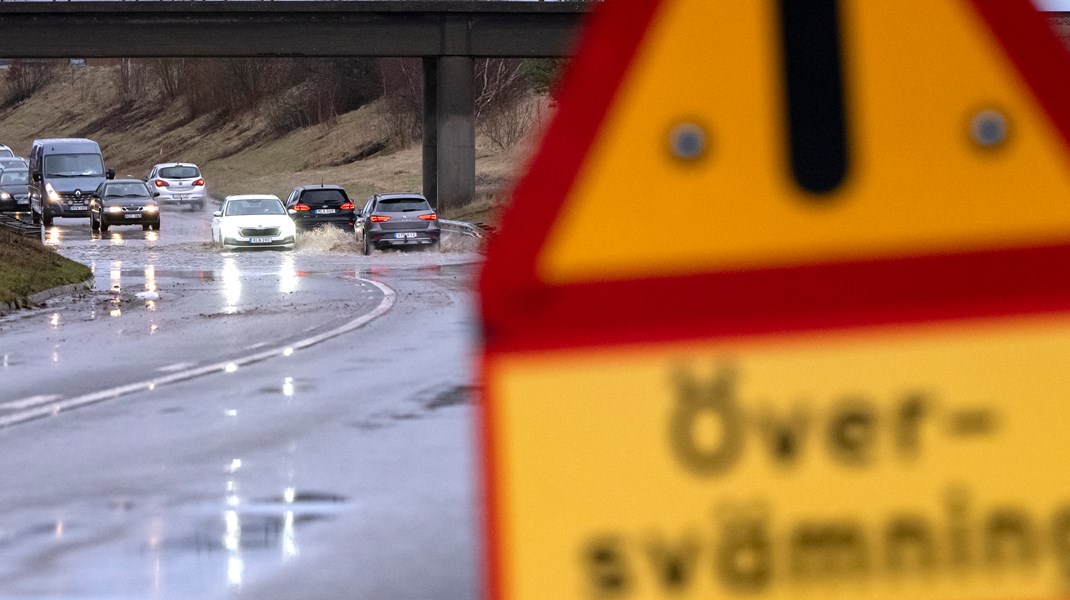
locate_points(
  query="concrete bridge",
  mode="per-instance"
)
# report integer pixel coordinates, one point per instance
(449, 35)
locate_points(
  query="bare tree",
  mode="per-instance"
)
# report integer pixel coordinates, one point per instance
(26, 78)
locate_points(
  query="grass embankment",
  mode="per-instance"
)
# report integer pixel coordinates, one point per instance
(241, 155)
(28, 267)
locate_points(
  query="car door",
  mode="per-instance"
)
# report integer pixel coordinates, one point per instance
(216, 220)
(362, 216)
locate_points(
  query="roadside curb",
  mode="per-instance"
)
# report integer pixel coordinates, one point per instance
(44, 296)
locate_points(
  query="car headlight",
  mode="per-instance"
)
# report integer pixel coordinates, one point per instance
(115, 209)
(230, 231)
(5, 196)
(151, 208)
(288, 229)
(52, 194)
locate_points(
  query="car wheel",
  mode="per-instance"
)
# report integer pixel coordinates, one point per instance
(365, 247)
(47, 220)
(93, 222)
(104, 225)
(156, 226)
(35, 217)
(145, 226)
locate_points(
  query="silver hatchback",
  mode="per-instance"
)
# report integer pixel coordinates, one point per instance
(178, 184)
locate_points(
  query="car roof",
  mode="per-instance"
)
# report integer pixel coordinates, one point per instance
(253, 197)
(319, 186)
(174, 164)
(110, 181)
(68, 143)
(401, 195)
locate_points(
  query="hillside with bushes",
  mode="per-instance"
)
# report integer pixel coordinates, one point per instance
(269, 125)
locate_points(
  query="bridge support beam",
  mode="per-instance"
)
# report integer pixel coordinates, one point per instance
(449, 170)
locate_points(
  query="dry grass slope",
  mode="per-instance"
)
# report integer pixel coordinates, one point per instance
(241, 155)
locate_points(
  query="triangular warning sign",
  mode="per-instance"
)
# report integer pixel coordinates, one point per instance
(781, 308)
(950, 120)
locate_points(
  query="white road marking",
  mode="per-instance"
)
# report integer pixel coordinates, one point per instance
(54, 408)
(28, 402)
(255, 346)
(175, 367)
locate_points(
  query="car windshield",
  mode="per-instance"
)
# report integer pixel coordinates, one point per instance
(74, 165)
(323, 196)
(14, 178)
(179, 172)
(402, 205)
(126, 190)
(258, 206)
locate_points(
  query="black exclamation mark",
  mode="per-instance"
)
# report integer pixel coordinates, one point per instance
(813, 70)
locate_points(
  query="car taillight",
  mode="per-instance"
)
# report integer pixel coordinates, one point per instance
(379, 219)
(347, 206)
(301, 207)
(199, 182)
(160, 183)
(430, 217)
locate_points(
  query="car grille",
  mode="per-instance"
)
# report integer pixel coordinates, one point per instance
(70, 197)
(259, 232)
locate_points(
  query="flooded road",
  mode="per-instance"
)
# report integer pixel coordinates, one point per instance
(263, 424)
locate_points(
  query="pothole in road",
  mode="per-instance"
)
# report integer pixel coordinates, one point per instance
(452, 396)
(243, 531)
(306, 498)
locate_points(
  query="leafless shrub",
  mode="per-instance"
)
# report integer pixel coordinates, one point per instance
(507, 124)
(167, 74)
(131, 81)
(402, 107)
(26, 78)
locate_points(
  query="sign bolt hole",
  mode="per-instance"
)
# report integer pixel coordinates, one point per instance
(688, 141)
(989, 128)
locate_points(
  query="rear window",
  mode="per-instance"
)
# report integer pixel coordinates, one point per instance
(402, 205)
(180, 172)
(6, 152)
(323, 196)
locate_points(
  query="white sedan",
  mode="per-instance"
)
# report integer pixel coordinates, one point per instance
(253, 220)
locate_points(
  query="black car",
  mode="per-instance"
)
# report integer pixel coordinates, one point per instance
(312, 206)
(397, 220)
(14, 191)
(124, 202)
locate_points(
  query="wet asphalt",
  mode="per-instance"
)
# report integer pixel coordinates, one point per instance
(342, 469)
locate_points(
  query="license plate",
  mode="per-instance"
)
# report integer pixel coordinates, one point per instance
(260, 240)
(326, 211)
(78, 207)
(405, 235)
(23, 201)
(130, 216)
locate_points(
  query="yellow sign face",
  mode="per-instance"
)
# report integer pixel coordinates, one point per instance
(918, 74)
(921, 461)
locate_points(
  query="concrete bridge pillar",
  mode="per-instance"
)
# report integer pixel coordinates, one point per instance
(449, 131)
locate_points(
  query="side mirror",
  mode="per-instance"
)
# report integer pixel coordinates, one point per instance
(37, 177)
(110, 174)
(217, 213)
(156, 194)
(292, 211)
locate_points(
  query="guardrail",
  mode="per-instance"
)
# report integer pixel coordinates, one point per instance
(20, 227)
(476, 230)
